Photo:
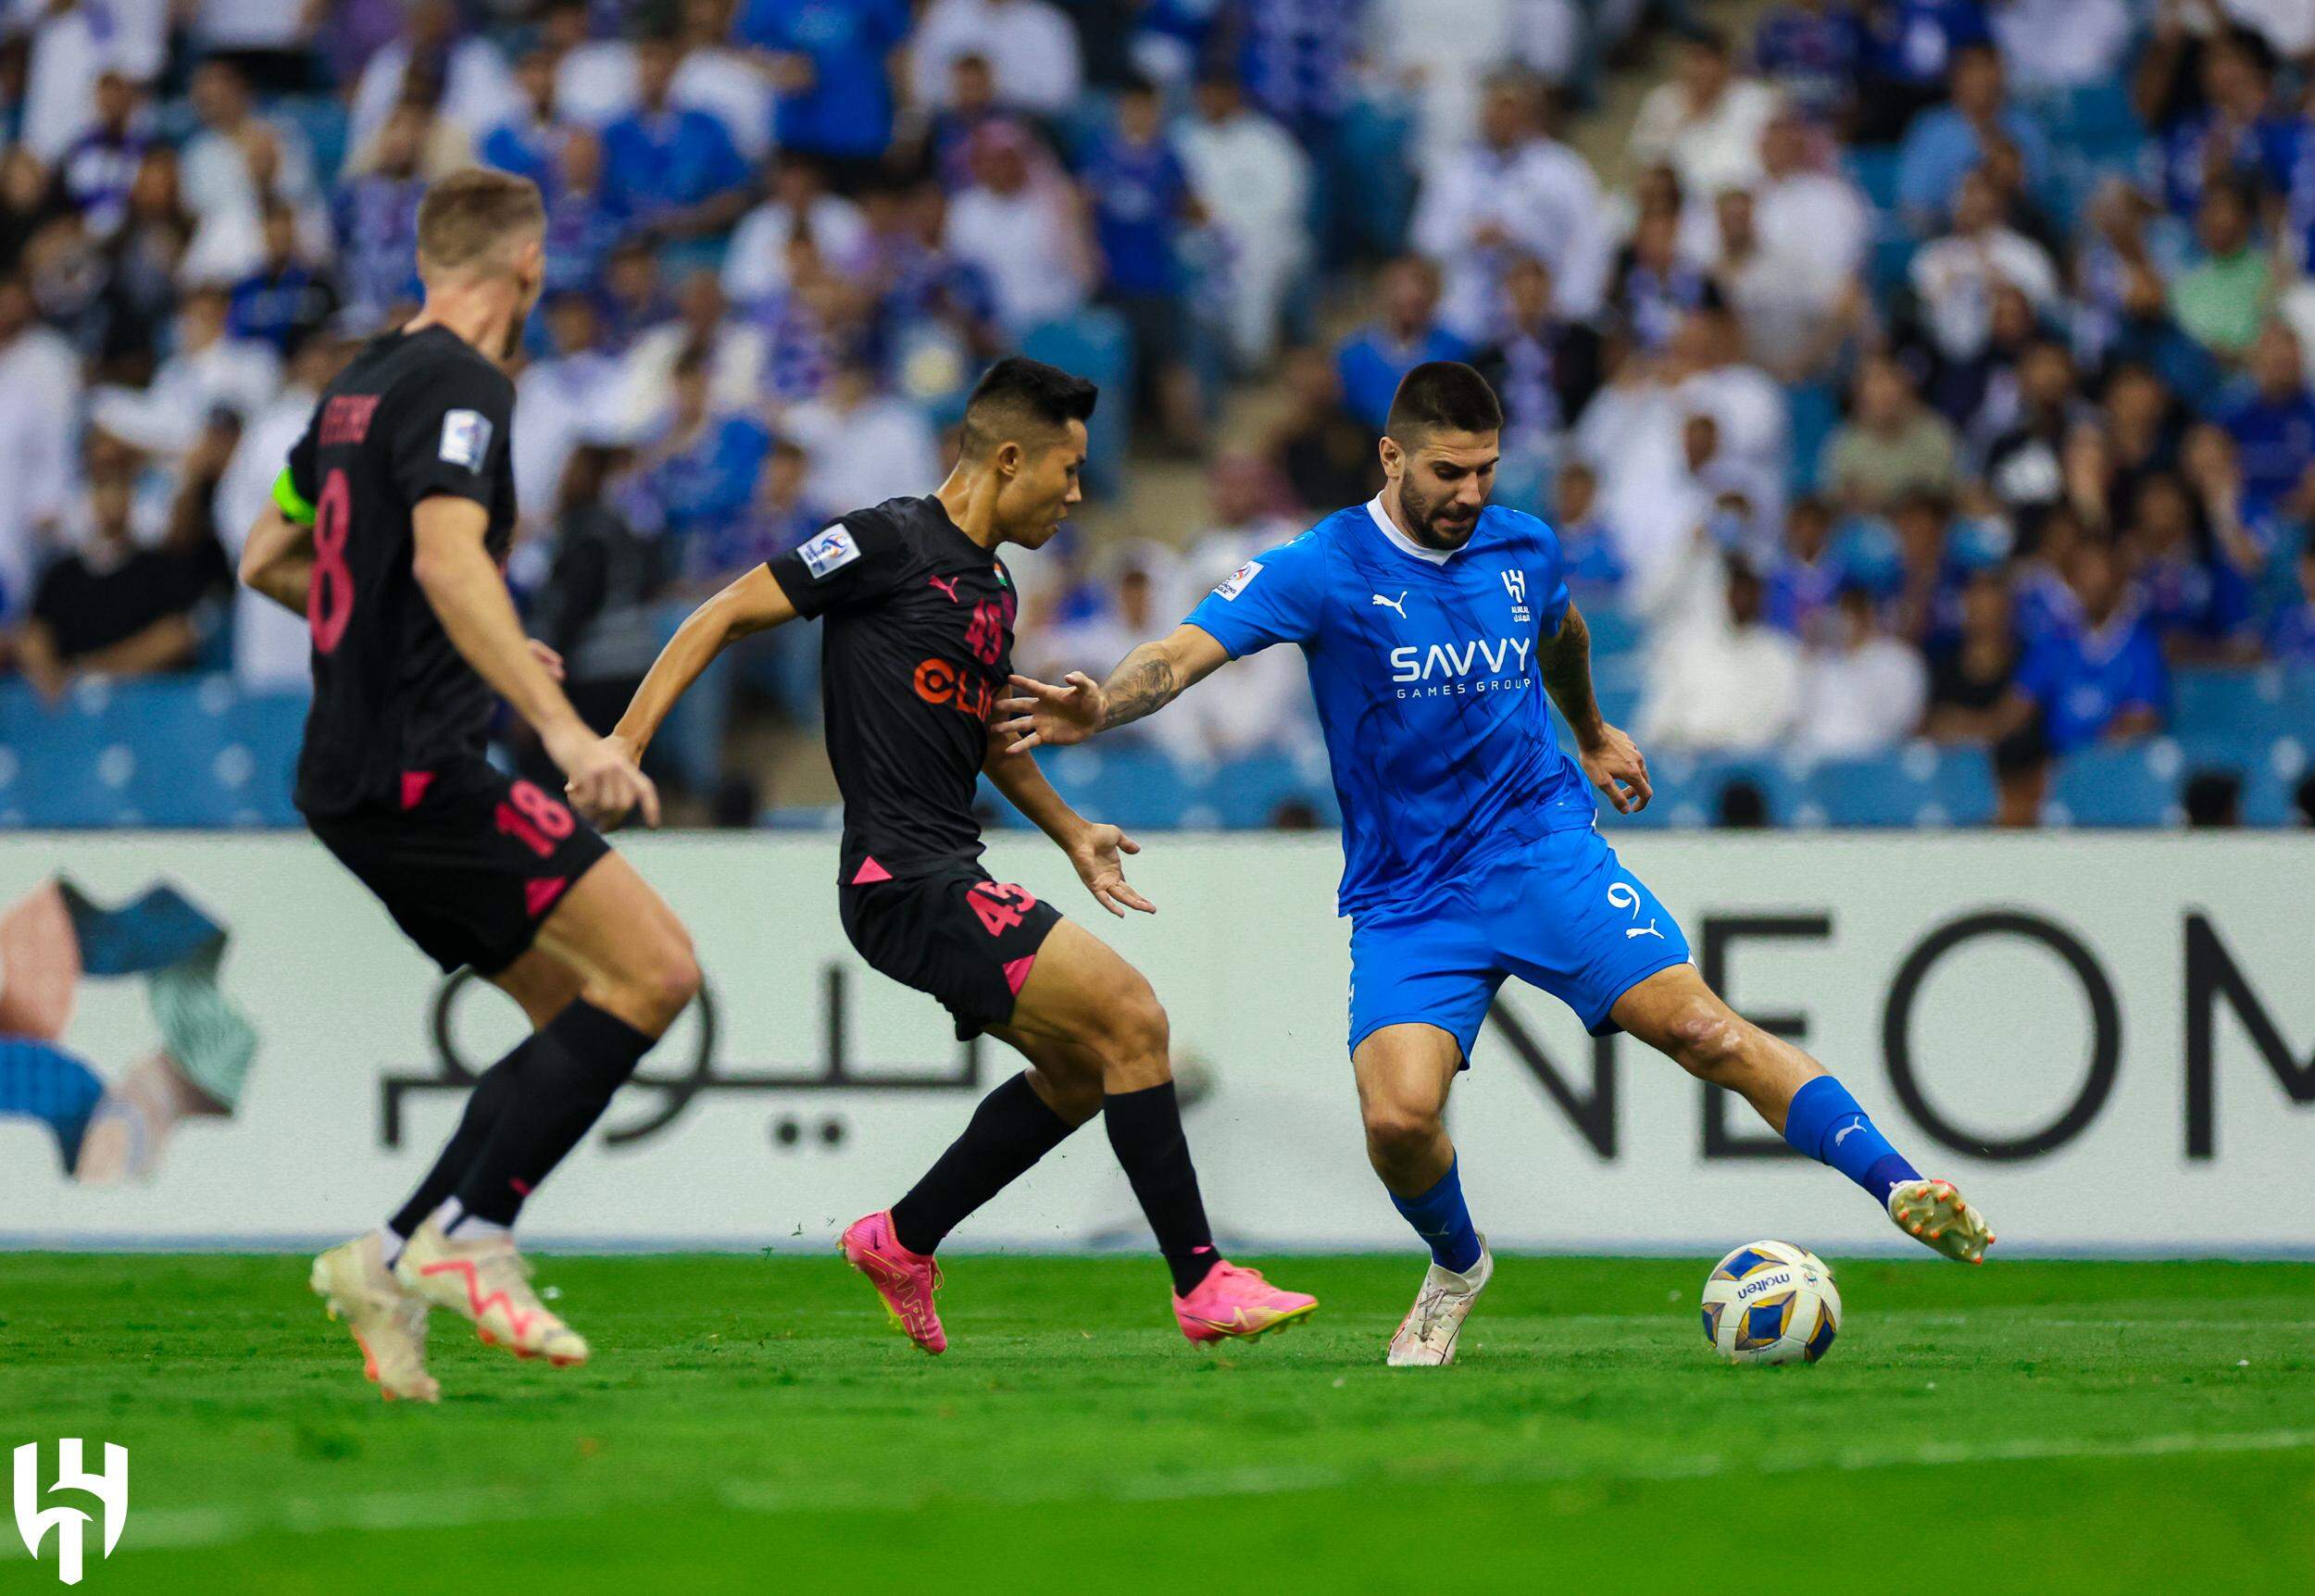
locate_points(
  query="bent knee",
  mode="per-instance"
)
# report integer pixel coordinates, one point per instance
(1707, 1038)
(1395, 1128)
(664, 977)
(1134, 1029)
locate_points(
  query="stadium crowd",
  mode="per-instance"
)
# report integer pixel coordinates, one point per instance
(1942, 371)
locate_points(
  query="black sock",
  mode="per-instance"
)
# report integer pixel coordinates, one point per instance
(564, 1079)
(1145, 1133)
(493, 1091)
(1010, 1130)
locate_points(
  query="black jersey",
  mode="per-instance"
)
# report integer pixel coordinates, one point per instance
(918, 644)
(413, 416)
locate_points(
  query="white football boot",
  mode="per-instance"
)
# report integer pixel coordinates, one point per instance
(1427, 1335)
(387, 1320)
(1939, 1218)
(485, 1280)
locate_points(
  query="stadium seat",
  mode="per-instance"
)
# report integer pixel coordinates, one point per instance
(1920, 785)
(2132, 784)
(2236, 701)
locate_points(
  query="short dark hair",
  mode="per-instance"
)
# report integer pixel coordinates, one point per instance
(1018, 396)
(1442, 396)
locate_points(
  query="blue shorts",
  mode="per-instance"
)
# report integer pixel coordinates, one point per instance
(1562, 915)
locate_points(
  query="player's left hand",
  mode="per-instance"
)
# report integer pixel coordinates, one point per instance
(1617, 768)
(1096, 856)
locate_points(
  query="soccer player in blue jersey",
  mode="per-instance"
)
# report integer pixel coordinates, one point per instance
(1434, 625)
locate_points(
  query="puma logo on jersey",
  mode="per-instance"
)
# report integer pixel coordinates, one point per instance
(1399, 604)
(946, 585)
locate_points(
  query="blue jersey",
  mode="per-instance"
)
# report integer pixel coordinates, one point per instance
(1424, 667)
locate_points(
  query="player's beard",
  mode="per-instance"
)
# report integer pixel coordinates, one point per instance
(1423, 518)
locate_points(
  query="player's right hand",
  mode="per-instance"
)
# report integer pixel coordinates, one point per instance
(1054, 717)
(604, 784)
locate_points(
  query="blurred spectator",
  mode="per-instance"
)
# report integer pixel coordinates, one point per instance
(700, 464)
(2050, 45)
(1969, 673)
(631, 297)
(756, 265)
(531, 141)
(1803, 292)
(1255, 183)
(1946, 144)
(1814, 52)
(1707, 120)
(1141, 198)
(670, 169)
(1512, 194)
(735, 350)
(1730, 686)
(1297, 58)
(1913, 50)
(1957, 274)
(1806, 574)
(286, 299)
(462, 76)
(69, 45)
(600, 81)
(2101, 679)
(108, 607)
(828, 63)
(39, 391)
(1656, 284)
(972, 104)
(2198, 603)
(572, 393)
(377, 218)
(1546, 368)
(1408, 333)
(239, 161)
(1891, 444)
(2224, 130)
(96, 173)
(781, 514)
(1023, 225)
(2274, 428)
(865, 445)
(2223, 299)
(1587, 544)
(585, 224)
(209, 372)
(1033, 46)
(599, 606)
(1249, 518)
(1326, 454)
(1925, 606)
(2025, 463)
(1862, 693)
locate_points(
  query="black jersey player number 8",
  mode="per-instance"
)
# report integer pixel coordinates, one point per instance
(329, 600)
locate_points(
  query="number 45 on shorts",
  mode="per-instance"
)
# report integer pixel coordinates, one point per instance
(1001, 906)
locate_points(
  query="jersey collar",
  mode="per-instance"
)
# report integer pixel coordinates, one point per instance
(1401, 541)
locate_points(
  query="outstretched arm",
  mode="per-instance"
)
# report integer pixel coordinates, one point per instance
(1144, 682)
(1611, 759)
(1091, 846)
(750, 604)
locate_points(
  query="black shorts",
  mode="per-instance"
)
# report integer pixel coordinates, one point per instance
(955, 934)
(469, 864)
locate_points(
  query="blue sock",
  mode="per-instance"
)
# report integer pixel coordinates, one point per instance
(1440, 1218)
(1825, 1123)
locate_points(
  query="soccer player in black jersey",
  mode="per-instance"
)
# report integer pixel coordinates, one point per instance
(389, 525)
(917, 617)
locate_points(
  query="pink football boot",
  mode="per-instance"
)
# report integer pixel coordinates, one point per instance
(905, 1280)
(1235, 1303)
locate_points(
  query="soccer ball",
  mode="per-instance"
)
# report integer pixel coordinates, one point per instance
(1771, 1302)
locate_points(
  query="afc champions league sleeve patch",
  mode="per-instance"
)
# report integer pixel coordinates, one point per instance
(465, 438)
(829, 550)
(1235, 583)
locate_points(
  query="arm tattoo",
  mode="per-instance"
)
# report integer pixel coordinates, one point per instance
(1566, 662)
(1144, 682)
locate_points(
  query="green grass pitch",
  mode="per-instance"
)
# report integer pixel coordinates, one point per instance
(753, 1425)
